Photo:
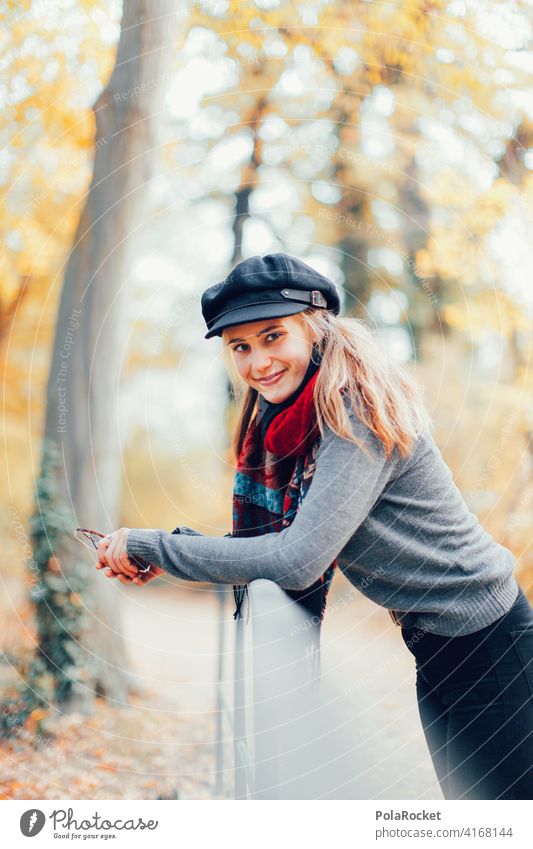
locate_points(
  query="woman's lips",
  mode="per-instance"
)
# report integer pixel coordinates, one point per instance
(268, 381)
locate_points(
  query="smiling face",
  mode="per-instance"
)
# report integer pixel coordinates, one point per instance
(271, 355)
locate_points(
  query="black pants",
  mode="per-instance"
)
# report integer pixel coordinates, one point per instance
(475, 697)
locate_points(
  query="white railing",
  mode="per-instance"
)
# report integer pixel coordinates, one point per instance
(273, 718)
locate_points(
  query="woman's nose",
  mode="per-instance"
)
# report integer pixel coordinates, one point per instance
(261, 361)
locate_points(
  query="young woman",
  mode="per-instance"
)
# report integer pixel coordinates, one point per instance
(336, 465)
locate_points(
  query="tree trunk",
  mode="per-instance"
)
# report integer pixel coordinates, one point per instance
(81, 650)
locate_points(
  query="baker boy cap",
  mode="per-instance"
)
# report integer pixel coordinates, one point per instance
(271, 286)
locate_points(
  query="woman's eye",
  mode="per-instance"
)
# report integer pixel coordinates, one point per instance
(242, 346)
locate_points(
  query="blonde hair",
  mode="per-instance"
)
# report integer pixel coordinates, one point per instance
(382, 393)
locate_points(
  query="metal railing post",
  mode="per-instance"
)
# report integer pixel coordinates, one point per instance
(239, 705)
(281, 677)
(272, 760)
(219, 697)
(265, 694)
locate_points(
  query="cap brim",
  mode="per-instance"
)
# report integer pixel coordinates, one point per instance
(254, 312)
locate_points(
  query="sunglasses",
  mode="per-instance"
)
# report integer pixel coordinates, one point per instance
(92, 539)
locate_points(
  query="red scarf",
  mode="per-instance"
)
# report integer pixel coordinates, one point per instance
(273, 476)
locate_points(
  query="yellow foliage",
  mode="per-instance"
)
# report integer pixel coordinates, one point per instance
(38, 714)
(489, 308)
(48, 137)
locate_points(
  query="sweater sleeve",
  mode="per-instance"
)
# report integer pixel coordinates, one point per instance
(346, 484)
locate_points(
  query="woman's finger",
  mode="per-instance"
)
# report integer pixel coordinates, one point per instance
(117, 557)
(103, 545)
(127, 566)
(109, 555)
(113, 557)
(124, 579)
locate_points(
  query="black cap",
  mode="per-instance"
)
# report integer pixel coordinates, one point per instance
(271, 286)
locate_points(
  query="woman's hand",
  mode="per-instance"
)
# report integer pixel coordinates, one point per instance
(113, 557)
(140, 579)
(113, 553)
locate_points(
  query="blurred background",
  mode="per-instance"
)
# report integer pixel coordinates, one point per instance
(147, 147)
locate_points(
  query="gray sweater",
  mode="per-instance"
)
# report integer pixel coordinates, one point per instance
(399, 528)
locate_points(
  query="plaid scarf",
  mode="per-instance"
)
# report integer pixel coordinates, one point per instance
(272, 477)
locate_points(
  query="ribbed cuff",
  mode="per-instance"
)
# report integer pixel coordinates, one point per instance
(145, 544)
